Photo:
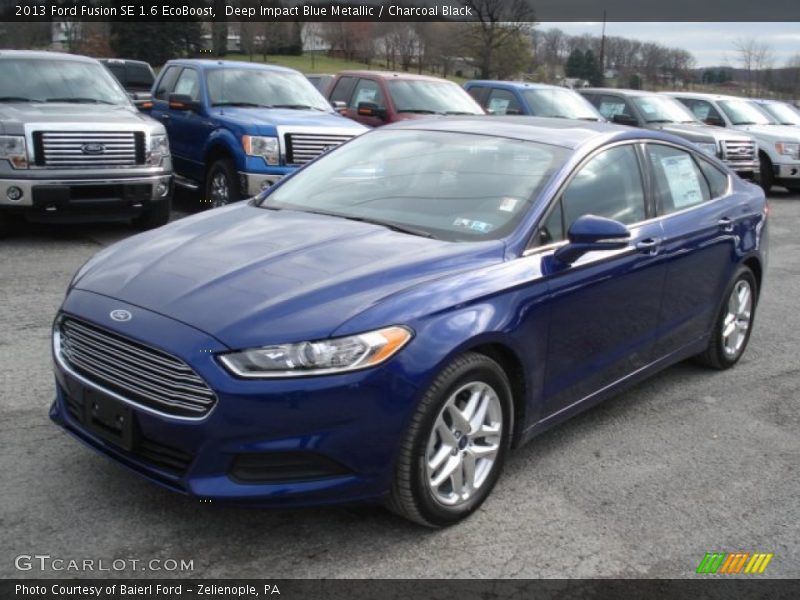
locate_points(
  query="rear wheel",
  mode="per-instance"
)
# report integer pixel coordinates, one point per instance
(766, 178)
(222, 187)
(456, 444)
(734, 322)
(5, 225)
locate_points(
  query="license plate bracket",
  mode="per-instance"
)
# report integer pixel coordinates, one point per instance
(109, 419)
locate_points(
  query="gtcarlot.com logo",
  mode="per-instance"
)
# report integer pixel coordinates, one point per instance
(46, 562)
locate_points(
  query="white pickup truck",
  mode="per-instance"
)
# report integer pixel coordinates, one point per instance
(778, 145)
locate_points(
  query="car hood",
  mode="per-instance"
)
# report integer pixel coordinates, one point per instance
(685, 130)
(774, 133)
(67, 112)
(277, 117)
(250, 276)
(701, 129)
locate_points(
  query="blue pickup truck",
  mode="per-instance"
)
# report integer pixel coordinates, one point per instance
(537, 99)
(236, 128)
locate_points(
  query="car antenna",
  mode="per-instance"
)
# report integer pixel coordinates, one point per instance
(222, 108)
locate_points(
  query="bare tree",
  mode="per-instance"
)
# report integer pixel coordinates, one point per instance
(498, 22)
(753, 56)
(793, 67)
(311, 35)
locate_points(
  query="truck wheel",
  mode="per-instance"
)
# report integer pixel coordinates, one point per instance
(5, 226)
(155, 216)
(766, 179)
(222, 186)
(795, 189)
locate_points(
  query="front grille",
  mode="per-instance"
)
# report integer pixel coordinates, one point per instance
(738, 150)
(304, 147)
(137, 372)
(70, 149)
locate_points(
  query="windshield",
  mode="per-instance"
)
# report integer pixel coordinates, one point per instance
(560, 103)
(269, 89)
(56, 80)
(661, 109)
(782, 113)
(446, 185)
(741, 112)
(433, 97)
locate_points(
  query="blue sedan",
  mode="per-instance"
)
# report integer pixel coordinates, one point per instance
(387, 323)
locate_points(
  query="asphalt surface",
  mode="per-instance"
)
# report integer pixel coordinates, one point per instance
(692, 461)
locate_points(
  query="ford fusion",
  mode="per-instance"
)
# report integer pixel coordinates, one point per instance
(386, 323)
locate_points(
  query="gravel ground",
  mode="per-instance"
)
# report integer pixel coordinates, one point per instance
(690, 462)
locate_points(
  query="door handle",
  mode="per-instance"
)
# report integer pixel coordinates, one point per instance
(648, 246)
(726, 224)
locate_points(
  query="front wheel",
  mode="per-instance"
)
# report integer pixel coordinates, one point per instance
(766, 178)
(734, 322)
(456, 444)
(222, 187)
(155, 215)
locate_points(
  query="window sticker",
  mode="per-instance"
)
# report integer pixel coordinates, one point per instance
(367, 95)
(499, 106)
(507, 204)
(476, 226)
(683, 182)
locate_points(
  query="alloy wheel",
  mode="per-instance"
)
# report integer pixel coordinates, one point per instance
(220, 190)
(737, 319)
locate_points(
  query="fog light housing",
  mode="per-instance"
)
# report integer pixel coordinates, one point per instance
(265, 184)
(162, 188)
(14, 194)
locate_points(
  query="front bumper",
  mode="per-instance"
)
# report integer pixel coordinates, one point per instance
(354, 421)
(743, 168)
(110, 197)
(253, 184)
(790, 171)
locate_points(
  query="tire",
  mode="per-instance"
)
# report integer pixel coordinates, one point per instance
(155, 216)
(5, 226)
(415, 494)
(794, 189)
(222, 186)
(766, 178)
(725, 351)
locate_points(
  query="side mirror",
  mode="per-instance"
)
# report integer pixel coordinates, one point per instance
(182, 102)
(370, 109)
(621, 119)
(339, 106)
(589, 233)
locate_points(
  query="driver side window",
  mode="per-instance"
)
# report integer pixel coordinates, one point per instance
(367, 90)
(608, 185)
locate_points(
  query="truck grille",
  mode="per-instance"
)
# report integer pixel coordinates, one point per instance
(304, 147)
(71, 149)
(738, 150)
(137, 372)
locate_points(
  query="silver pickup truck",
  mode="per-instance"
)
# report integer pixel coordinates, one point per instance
(74, 148)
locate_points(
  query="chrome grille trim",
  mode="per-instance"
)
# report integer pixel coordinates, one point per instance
(305, 147)
(65, 149)
(738, 150)
(138, 374)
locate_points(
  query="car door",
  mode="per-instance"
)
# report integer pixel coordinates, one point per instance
(700, 220)
(367, 90)
(479, 93)
(604, 308)
(188, 129)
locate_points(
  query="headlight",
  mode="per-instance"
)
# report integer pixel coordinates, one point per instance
(14, 150)
(157, 150)
(265, 147)
(318, 358)
(708, 148)
(788, 149)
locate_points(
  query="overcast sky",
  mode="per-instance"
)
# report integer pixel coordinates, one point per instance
(710, 43)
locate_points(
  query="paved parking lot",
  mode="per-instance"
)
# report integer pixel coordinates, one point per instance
(690, 462)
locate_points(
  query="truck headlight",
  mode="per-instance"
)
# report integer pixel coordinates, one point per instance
(263, 146)
(788, 149)
(157, 150)
(14, 150)
(323, 357)
(708, 147)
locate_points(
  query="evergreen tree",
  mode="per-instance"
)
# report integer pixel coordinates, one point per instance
(591, 69)
(575, 64)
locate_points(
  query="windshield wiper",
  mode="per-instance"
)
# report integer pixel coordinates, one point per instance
(744, 123)
(79, 100)
(391, 226)
(242, 104)
(298, 107)
(16, 99)
(659, 121)
(457, 112)
(421, 111)
(588, 119)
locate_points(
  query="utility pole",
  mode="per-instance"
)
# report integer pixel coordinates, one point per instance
(603, 48)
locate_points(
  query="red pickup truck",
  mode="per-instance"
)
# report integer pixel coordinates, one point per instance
(375, 98)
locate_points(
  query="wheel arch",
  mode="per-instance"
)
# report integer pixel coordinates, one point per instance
(754, 264)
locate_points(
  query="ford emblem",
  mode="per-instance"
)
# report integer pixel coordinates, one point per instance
(93, 149)
(120, 315)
